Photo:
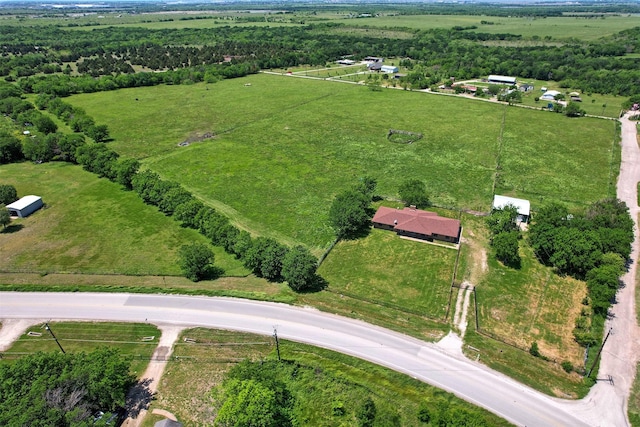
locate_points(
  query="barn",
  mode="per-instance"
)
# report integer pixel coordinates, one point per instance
(24, 207)
(389, 69)
(503, 80)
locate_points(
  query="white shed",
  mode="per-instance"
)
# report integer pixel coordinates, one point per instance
(504, 80)
(24, 207)
(523, 206)
(550, 95)
(389, 69)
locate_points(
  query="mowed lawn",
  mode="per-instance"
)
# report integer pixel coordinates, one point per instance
(387, 269)
(284, 146)
(135, 340)
(91, 225)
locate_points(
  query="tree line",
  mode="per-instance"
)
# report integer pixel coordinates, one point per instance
(190, 54)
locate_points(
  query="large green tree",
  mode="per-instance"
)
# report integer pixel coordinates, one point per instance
(8, 194)
(348, 214)
(55, 389)
(414, 192)
(299, 269)
(5, 218)
(196, 261)
(248, 403)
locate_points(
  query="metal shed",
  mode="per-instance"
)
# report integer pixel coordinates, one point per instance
(25, 206)
(523, 206)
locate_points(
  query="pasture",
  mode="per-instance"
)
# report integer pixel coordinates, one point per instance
(284, 146)
(322, 378)
(75, 337)
(389, 25)
(584, 28)
(91, 225)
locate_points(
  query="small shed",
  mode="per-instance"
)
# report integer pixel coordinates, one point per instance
(523, 206)
(24, 207)
(389, 69)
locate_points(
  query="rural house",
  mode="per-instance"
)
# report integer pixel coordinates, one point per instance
(24, 207)
(523, 206)
(416, 223)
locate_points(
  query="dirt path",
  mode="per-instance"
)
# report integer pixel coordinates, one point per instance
(622, 350)
(12, 329)
(141, 395)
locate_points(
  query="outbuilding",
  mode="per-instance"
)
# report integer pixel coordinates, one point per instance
(503, 80)
(24, 207)
(389, 69)
(550, 95)
(523, 206)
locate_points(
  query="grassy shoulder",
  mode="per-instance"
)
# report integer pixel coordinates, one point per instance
(323, 380)
(135, 340)
(90, 225)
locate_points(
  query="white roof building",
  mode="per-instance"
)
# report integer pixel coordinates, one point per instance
(25, 206)
(523, 206)
(550, 95)
(508, 80)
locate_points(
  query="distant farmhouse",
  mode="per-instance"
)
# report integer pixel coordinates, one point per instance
(523, 206)
(345, 62)
(419, 224)
(24, 207)
(374, 66)
(502, 80)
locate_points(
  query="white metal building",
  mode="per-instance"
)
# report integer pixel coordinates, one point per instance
(389, 69)
(523, 206)
(504, 80)
(24, 207)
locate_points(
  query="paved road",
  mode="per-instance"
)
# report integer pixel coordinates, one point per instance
(424, 361)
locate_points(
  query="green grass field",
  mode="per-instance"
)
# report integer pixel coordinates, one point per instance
(559, 28)
(75, 337)
(322, 378)
(387, 25)
(384, 267)
(284, 146)
(532, 304)
(91, 225)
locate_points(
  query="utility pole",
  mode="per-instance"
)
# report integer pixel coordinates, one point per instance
(46, 326)
(599, 351)
(275, 335)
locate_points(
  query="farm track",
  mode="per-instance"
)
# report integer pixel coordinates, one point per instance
(622, 349)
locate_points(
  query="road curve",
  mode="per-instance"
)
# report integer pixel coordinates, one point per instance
(468, 380)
